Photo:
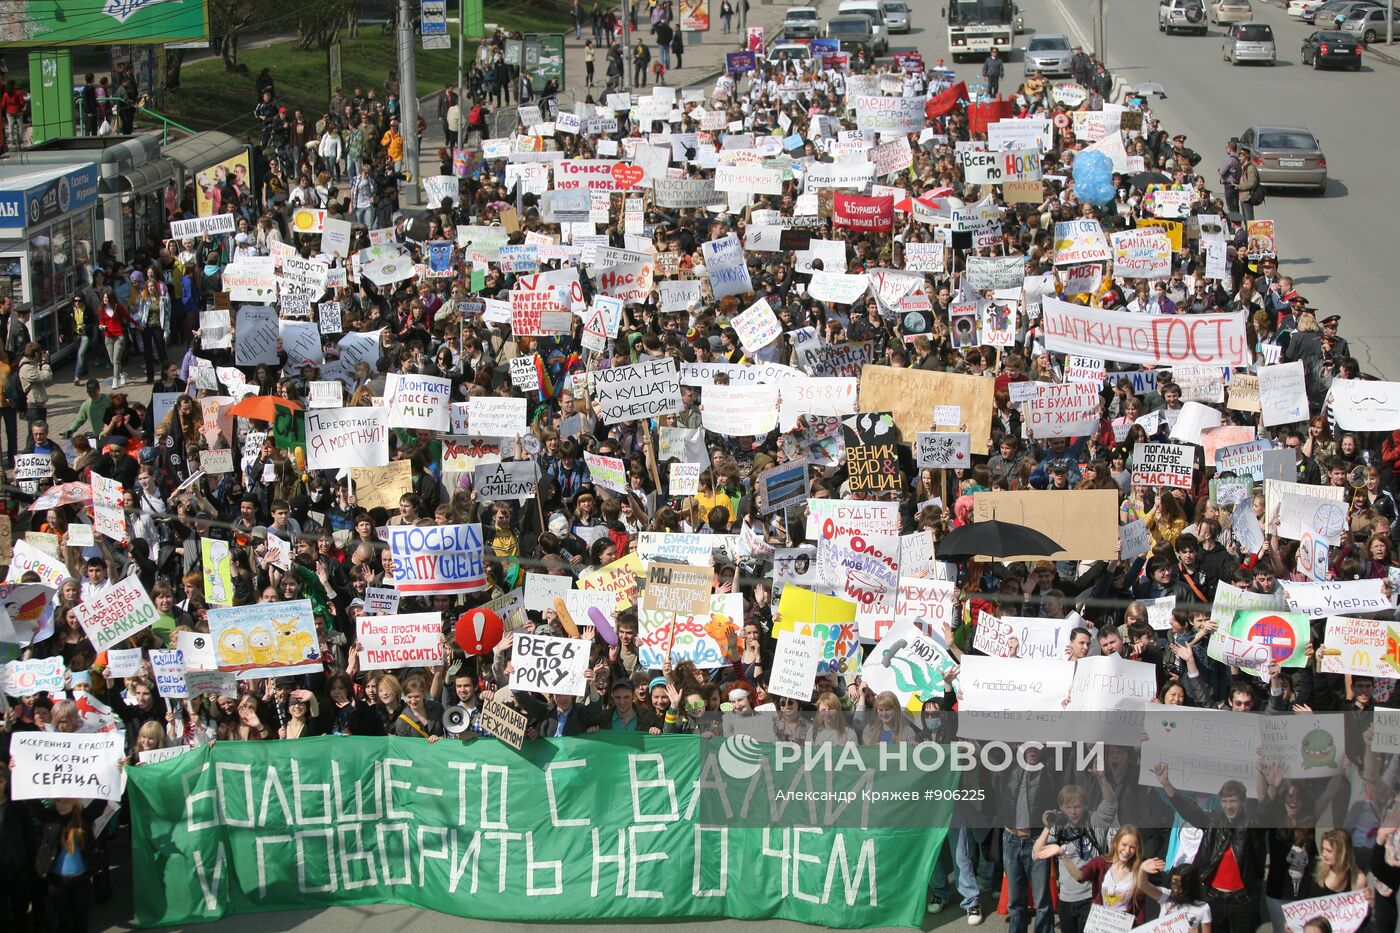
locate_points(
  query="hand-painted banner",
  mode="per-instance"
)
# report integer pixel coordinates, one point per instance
(438, 558)
(1159, 340)
(860, 213)
(423, 834)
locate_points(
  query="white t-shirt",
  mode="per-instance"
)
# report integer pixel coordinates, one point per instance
(1079, 848)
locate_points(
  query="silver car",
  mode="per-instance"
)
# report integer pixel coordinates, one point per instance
(1249, 42)
(897, 15)
(1287, 157)
(1369, 24)
(1050, 54)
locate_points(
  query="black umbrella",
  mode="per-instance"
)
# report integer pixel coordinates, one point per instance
(1142, 179)
(995, 539)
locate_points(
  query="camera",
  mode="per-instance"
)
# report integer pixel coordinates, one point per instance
(1056, 819)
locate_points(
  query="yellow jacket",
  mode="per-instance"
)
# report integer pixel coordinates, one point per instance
(393, 144)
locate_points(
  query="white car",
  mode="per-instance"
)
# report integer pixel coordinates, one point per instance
(1301, 8)
(801, 22)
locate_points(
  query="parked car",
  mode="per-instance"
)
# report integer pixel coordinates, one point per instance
(1249, 42)
(1301, 9)
(1181, 16)
(853, 32)
(898, 16)
(1287, 157)
(1369, 24)
(1331, 47)
(1335, 11)
(1049, 53)
(1225, 12)
(870, 9)
(801, 22)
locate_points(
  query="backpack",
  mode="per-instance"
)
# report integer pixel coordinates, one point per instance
(15, 396)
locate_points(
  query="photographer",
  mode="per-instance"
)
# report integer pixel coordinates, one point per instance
(1073, 833)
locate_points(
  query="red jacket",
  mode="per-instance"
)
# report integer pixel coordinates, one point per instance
(114, 320)
(1390, 450)
(12, 102)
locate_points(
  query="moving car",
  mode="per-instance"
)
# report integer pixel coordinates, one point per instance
(1225, 12)
(786, 51)
(898, 16)
(1328, 14)
(801, 22)
(1249, 42)
(1181, 16)
(1328, 47)
(870, 9)
(854, 33)
(1287, 157)
(1018, 19)
(1049, 53)
(1369, 24)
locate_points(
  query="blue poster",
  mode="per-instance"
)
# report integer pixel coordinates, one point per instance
(738, 62)
(440, 259)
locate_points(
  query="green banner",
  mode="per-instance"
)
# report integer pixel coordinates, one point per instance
(598, 827)
(103, 22)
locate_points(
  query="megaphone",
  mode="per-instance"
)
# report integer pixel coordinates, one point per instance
(455, 720)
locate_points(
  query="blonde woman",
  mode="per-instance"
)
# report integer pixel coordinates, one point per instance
(1336, 871)
(1117, 878)
(151, 737)
(888, 726)
(830, 726)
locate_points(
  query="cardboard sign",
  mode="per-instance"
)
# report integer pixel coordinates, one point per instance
(418, 402)
(1083, 522)
(631, 393)
(684, 478)
(381, 487)
(504, 722)
(678, 588)
(908, 395)
(516, 480)
(941, 450)
(347, 437)
(1068, 409)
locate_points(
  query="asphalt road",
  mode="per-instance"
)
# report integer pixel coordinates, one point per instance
(1335, 246)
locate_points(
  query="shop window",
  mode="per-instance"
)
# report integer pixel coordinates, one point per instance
(40, 270)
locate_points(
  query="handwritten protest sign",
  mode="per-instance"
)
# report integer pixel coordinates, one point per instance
(389, 642)
(795, 665)
(116, 614)
(1066, 409)
(438, 559)
(490, 416)
(50, 765)
(506, 480)
(546, 664)
(1346, 912)
(266, 639)
(346, 437)
(631, 393)
(40, 675)
(1154, 339)
(418, 402)
(1283, 394)
(1163, 465)
(678, 588)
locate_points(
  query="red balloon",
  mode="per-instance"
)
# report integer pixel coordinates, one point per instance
(479, 630)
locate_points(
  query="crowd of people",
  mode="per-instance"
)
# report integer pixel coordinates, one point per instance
(1076, 837)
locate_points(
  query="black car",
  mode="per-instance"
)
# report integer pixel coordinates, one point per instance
(1330, 48)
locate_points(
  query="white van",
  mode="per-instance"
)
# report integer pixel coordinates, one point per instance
(871, 10)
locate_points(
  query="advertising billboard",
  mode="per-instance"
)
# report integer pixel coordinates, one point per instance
(102, 22)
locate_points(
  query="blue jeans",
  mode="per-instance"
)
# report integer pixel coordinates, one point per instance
(365, 216)
(663, 52)
(1026, 875)
(964, 849)
(86, 344)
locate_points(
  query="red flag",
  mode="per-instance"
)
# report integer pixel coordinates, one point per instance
(979, 115)
(943, 104)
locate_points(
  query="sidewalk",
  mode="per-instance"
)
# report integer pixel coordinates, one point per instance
(703, 63)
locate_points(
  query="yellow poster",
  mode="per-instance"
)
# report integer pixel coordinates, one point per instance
(209, 184)
(829, 618)
(623, 578)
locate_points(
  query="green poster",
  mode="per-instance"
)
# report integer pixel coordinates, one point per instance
(595, 828)
(288, 428)
(103, 22)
